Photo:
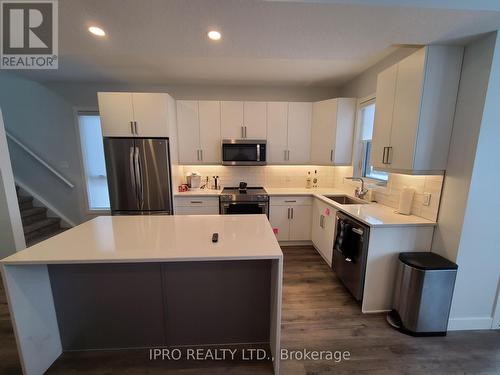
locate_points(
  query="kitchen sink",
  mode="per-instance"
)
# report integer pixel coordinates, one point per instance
(345, 199)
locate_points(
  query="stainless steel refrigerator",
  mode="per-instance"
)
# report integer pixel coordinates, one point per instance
(138, 171)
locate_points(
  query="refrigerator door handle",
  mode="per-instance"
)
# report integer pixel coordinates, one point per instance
(138, 178)
(132, 170)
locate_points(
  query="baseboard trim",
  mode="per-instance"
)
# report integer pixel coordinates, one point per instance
(65, 221)
(469, 324)
(295, 243)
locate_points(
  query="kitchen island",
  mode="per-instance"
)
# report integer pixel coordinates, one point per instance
(146, 282)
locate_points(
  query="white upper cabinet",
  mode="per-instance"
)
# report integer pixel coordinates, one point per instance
(188, 131)
(210, 139)
(414, 111)
(299, 132)
(289, 132)
(384, 108)
(125, 114)
(117, 114)
(198, 128)
(150, 114)
(232, 120)
(277, 132)
(333, 131)
(255, 120)
(243, 120)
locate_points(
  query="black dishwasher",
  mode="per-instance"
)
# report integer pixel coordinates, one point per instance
(349, 253)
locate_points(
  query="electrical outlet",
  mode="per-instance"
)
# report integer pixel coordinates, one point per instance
(427, 199)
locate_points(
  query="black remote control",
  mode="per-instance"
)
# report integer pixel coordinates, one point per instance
(215, 237)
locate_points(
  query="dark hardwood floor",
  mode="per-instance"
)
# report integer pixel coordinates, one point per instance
(318, 314)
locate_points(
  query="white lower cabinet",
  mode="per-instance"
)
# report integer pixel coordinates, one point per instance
(290, 217)
(196, 206)
(323, 228)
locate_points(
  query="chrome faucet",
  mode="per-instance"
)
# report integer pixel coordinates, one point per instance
(359, 192)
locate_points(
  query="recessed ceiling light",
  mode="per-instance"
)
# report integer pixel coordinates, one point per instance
(214, 35)
(97, 31)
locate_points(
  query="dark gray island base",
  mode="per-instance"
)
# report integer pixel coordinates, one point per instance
(149, 305)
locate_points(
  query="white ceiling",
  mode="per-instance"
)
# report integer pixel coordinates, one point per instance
(300, 43)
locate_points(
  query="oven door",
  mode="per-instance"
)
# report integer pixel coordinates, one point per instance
(243, 152)
(245, 208)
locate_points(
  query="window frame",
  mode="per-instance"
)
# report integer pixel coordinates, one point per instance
(360, 159)
(90, 111)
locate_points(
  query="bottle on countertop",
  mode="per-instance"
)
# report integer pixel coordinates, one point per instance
(315, 181)
(308, 180)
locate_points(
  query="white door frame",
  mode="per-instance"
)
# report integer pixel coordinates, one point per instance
(496, 312)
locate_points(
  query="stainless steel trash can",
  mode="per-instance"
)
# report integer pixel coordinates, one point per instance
(422, 294)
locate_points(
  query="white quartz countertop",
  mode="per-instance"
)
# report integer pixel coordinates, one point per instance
(372, 214)
(123, 239)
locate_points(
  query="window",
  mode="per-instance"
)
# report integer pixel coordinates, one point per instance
(89, 125)
(366, 120)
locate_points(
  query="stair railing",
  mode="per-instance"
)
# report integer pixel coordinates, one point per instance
(40, 160)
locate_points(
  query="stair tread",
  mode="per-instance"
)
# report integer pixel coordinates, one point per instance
(24, 198)
(45, 236)
(32, 211)
(40, 224)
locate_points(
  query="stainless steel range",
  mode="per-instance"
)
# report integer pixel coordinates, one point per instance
(244, 200)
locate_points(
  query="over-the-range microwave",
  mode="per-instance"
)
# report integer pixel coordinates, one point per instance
(243, 152)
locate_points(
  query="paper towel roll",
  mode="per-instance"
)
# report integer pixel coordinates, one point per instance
(406, 200)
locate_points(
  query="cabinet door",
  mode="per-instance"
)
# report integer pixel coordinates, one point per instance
(202, 210)
(278, 216)
(231, 120)
(384, 108)
(316, 229)
(344, 131)
(407, 110)
(150, 114)
(255, 120)
(116, 112)
(300, 223)
(210, 140)
(322, 139)
(277, 113)
(188, 131)
(328, 234)
(299, 132)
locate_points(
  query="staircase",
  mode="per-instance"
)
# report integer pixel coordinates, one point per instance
(37, 225)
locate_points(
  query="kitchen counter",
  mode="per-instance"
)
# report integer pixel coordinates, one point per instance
(372, 214)
(64, 292)
(156, 238)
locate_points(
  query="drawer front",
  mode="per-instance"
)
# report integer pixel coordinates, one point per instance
(190, 210)
(197, 201)
(292, 200)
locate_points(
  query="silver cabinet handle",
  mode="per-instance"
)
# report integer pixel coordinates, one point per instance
(389, 155)
(383, 155)
(331, 155)
(242, 133)
(288, 215)
(348, 260)
(245, 131)
(284, 156)
(135, 128)
(201, 155)
(197, 202)
(358, 231)
(290, 201)
(132, 127)
(292, 212)
(321, 221)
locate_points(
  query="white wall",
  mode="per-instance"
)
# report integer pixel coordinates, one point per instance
(470, 185)
(11, 228)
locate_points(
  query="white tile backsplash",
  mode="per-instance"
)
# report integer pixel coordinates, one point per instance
(290, 176)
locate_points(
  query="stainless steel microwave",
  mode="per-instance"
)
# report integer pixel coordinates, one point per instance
(243, 152)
